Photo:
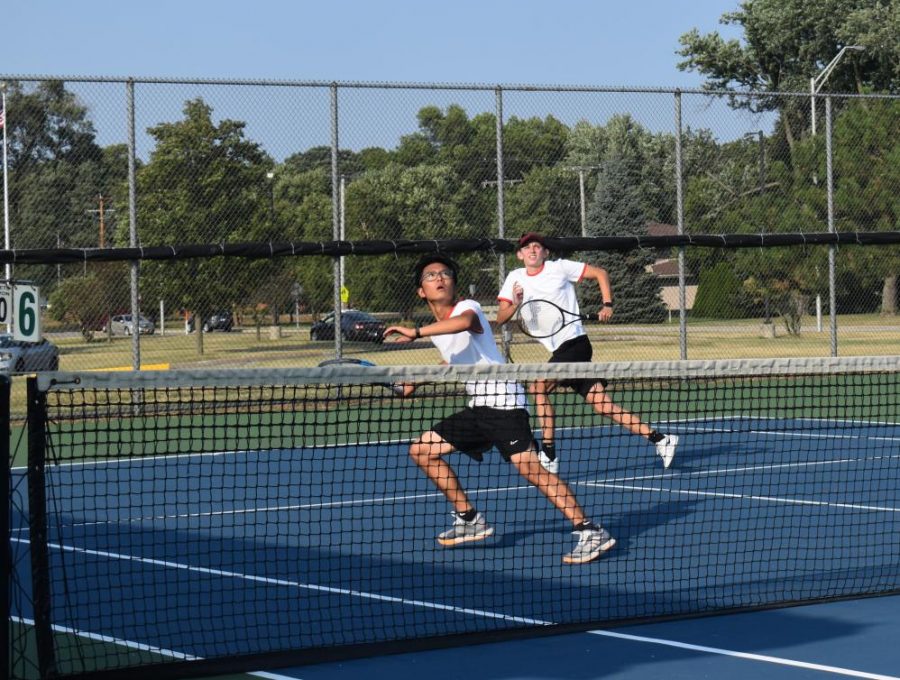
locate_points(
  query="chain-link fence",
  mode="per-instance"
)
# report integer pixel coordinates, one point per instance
(104, 162)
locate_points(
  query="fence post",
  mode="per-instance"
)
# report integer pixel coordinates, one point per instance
(135, 265)
(679, 199)
(336, 222)
(832, 249)
(505, 332)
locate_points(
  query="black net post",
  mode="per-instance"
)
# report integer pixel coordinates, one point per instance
(37, 521)
(4, 519)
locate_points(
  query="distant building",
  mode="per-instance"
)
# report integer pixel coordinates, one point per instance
(666, 268)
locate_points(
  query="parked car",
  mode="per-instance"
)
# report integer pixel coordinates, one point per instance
(220, 321)
(355, 325)
(123, 323)
(26, 357)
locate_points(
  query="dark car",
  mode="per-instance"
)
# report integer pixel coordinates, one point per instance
(220, 321)
(355, 325)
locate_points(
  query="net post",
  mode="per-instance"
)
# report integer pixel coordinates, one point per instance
(37, 526)
(4, 520)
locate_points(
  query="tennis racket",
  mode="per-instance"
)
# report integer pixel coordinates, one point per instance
(393, 387)
(542, 318)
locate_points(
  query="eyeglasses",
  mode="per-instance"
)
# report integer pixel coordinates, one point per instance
(433, 276)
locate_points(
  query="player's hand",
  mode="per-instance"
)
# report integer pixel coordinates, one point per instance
(605, 313)
(403, 333)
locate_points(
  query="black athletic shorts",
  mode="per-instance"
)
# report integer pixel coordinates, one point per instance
(576, 350)
(474, 430)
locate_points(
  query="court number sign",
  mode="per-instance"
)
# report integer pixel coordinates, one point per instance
(5, 303)
(20, 308)
(27, 311)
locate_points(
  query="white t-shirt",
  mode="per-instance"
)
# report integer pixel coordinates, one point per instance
(554, 283)
(479, 349)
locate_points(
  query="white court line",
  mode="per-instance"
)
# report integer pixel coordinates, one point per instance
(746, 655)
(424, 604)
(749, 497)
(385, 500)
(162, 651)
(331, 590)
(684, 422)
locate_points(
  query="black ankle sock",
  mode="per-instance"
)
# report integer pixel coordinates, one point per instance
(585, 525)
(469, 515)
(655, 437)
(549, 449)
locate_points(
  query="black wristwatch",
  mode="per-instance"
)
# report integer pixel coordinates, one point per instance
(607, 304)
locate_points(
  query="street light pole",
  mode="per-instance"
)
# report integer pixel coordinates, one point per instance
(342, 233)
(762, 187)
(271, 177)
(816, 83)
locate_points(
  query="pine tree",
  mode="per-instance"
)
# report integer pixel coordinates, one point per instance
(617, 210)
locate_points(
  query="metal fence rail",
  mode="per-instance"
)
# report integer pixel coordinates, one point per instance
(147, 162)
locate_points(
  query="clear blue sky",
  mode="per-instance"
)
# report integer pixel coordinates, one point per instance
(583, 42)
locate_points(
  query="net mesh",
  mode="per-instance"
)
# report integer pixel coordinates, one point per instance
(186, 516)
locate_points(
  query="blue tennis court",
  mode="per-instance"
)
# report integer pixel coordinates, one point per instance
(241, 552)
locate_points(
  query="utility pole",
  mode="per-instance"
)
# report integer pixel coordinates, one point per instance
(102, 215)
(581, 170)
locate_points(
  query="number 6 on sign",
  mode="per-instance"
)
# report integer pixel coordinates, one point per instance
(27, 321)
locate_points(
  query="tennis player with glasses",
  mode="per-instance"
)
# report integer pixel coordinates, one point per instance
(496, 416)
(553, 282)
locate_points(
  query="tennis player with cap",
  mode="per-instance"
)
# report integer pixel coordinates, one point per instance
(496, 416)
(554, 280)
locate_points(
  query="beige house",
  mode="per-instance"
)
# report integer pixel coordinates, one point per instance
(666, 268)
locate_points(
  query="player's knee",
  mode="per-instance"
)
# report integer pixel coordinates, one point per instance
(421, 451)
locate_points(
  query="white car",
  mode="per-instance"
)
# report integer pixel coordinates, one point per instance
(26, 357)
(122, 323)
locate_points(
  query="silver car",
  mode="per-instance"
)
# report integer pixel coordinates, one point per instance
(122, 323)
(26, 357)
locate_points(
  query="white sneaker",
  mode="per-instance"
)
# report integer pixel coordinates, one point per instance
(592, 543)
(665, 449)
(464, 532)
(547, 464)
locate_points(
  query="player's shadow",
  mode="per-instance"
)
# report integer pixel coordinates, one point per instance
(625, 526)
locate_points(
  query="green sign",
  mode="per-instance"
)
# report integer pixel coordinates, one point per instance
(26, 312)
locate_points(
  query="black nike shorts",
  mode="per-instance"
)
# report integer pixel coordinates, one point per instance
(576, 350)
(475, 430)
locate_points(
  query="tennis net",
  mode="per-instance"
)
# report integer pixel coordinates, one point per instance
(236, 520)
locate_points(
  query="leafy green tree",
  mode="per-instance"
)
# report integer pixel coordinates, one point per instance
(547, 201)
(786, 42)
(399, 203)
(56, 173)
(718, 294)
(89, 300)
(204, 183)
(618, 210)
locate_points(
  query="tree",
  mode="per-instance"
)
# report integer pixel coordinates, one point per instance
(91, 299)
(618, 210)
(786, 42)
(547, 201)
(56, 172)
(204, 183)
